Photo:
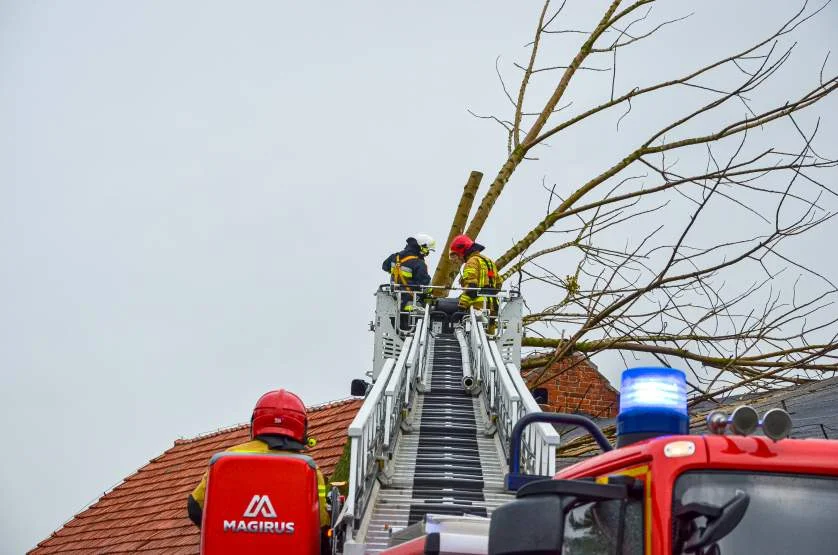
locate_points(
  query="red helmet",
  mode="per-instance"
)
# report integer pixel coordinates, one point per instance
(280, 412)
(460, 244)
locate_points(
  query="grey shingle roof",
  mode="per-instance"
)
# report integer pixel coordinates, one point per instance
(813, 409)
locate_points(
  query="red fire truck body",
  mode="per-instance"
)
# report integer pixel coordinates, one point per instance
(659, 463)
(792, 487)
(664, 492)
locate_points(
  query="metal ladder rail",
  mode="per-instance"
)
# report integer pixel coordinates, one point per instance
(507, 398)
(375, 432)
(445, 465)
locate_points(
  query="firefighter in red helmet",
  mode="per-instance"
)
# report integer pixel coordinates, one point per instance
(480, 275)
(278, 425)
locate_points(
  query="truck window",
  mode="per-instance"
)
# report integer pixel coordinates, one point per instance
(785, 514)
(592, 528)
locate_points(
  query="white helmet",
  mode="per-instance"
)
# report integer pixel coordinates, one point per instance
(426, 242)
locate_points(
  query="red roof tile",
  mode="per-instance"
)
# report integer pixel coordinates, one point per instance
(146, 513)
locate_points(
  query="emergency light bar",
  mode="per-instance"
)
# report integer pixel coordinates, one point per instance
(653, 402)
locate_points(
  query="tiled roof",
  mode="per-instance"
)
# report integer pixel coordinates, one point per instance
(147, 512)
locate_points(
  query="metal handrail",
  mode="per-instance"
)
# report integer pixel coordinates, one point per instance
(511, 292)
(412, 363)
(424, 333)
(540, 440)
(367, 442)
(374, 430)
(508, 399)
(486, 364)
(394, 393)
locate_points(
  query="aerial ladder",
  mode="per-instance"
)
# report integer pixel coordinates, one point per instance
(430, 444)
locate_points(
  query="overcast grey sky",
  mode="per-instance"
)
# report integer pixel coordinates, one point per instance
(195, 199)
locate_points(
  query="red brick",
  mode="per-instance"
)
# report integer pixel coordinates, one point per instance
(578, 387)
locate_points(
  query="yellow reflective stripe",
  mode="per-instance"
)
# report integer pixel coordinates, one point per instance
(492, 267)
(401, 275)
(484, 272)
(396, 272)
(486, 266)
(325, 519)
(465, 301)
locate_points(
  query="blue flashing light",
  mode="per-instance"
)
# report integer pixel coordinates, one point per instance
(653, 401)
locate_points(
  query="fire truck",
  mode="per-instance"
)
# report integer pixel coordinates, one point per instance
(741, 488)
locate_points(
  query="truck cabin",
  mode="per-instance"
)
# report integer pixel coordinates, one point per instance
(662, 491)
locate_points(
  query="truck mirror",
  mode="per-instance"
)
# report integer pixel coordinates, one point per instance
(540, 506)
(359, 388)
(530, 524)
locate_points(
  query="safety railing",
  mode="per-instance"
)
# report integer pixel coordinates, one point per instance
(500, 395)
(397, 372)
(401, 386)
(507, 398)
(388, 342)
(539, 441)
(374, 430)
(392, 324)
(419, 369)
(394, 394)
(366, 436)
(408, 300)
(416, 357)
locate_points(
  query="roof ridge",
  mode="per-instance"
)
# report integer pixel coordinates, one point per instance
(330, 404)
(205, 435)
(234, 427)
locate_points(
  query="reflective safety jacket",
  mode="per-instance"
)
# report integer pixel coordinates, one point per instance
(407, 268)
(196, 499)
(479, 272)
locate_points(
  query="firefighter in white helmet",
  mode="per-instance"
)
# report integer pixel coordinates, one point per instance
(409, 271)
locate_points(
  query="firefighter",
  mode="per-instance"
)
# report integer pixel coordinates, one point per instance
(408, 270)
(479, 274)
(278, 425)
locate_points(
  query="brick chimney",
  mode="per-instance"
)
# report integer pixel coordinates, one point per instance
(576, 386)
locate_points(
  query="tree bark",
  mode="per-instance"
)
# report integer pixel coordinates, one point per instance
(531, 139)
(494, 191)
(445, 271)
